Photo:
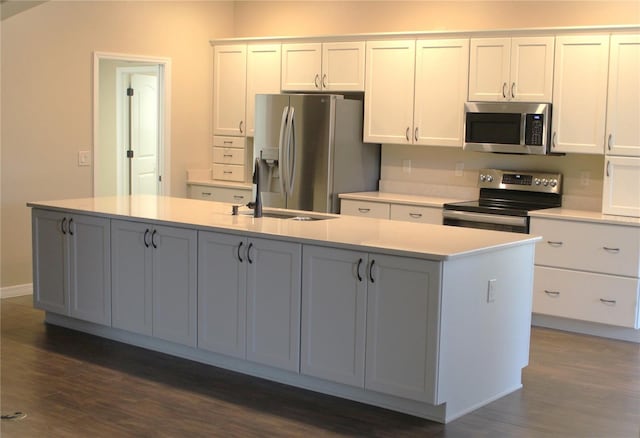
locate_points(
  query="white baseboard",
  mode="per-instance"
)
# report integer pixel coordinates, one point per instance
(16, 291)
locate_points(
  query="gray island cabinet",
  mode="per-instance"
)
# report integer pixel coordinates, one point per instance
(424, 319)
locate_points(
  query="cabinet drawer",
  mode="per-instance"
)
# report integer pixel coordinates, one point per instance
(586, 296)
(228, 155)
(228, 142)
(610, 249)
(412, 213)
(228, 172)
(378, 210)
(220, 194)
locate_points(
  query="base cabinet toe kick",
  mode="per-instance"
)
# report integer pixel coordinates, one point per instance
(400, 332)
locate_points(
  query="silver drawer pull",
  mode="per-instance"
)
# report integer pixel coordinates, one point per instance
(227, 172)
(552, 293)
(206, 193)
(228, 142)
(227, 155)
(554, 243)
(364, 210)
(610, 302)
(611, 250)
(238, 197)
(415, 215)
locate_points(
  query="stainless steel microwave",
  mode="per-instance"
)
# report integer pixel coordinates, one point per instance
(507, 127)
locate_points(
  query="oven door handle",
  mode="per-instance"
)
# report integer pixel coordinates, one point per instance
(518, 221)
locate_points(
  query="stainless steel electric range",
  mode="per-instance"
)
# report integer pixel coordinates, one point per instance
(506, 197)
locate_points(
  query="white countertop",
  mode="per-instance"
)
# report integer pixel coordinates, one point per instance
(399, 198)
(434, 242)
(585, 216)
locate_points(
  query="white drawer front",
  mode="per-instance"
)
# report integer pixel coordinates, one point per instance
(411, 213)
(220, 194)
(228, 172)
(228, 142)
(586, 296)
(228, 155)
(378, 210)
(610, 249)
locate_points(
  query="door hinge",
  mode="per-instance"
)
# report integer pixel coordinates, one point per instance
(129, 91)
(130, 153)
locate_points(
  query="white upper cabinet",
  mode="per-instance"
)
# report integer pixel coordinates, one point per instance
(263, 77)
(511, 69)
(229, 89)
(623, 105)
(441, 78)
(240, 72)
(580, 93)
(388, 101)
(335, 66)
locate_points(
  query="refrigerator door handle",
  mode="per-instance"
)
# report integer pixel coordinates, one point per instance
(281, 163)
(291, 156)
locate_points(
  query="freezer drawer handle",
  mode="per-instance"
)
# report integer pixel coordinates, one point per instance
(608, 302)
(552, 293)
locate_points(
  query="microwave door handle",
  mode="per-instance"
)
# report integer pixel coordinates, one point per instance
(281, 163)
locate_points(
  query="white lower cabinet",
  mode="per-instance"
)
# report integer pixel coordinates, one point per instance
(71, 265)
(587, 271)
(249, 298)
(154, 280)
(415, 213)
(366, 321)
(377, 210)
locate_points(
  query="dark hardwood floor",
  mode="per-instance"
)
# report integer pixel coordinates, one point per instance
(75, 385)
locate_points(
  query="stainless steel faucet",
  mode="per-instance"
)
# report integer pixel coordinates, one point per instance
(257, 204)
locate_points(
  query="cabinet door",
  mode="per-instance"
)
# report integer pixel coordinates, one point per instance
(580, 94)
(388, 100)
(222, 296)
(89, 240)
(343, 66)
(415, 213)
(263, 76)
(621, 192)
(531, 69)
(623, 107)
(402, 324)
(273, 303)
(229, 89)
(174, 267)
(50, 261)
(301, 67)
(333, 314)
(442, 75)
(131, 277)
(489, 62)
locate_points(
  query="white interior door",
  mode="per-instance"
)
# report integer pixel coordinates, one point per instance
(144, 134)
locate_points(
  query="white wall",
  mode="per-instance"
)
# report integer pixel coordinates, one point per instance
(47, 98)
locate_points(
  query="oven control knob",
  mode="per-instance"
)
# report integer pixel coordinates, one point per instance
(482, 177)
(489, 178)
(553, 183)
(537, 181)
(545, 182)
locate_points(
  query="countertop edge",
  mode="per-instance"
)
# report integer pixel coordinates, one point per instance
(585, 216)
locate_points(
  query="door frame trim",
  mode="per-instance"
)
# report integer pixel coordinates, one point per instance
(164, 111)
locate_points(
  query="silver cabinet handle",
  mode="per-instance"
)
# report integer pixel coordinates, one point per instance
(415, 215)
(228, 141)
(553, 139)
(316, 81)
(609, 140)
(238, 197)
(415, 134)
(513, 94)
(227, 155)
(611, 250)
(227, 172)
(603, 301)
(556, 243)
(608, 166)
(552, 293)
(324, 81)
(364, 210)
(240, 126)
(504, 90)
(406, 133)
(206, 193)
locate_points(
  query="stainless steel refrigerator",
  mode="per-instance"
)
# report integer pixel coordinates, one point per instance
(309, 148)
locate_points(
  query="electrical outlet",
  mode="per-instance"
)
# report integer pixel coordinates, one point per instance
(84, 158)
(406, 166)
(459, 168)
(585, 178)
(491, 291)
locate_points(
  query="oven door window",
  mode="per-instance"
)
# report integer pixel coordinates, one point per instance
(495, 128)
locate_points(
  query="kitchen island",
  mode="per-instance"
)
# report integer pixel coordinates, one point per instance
(429, 320)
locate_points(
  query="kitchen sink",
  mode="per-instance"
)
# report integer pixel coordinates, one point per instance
(294, 215)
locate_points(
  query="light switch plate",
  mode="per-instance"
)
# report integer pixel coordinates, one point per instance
(84, 158)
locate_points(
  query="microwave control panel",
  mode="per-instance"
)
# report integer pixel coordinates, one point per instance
(534, 127)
